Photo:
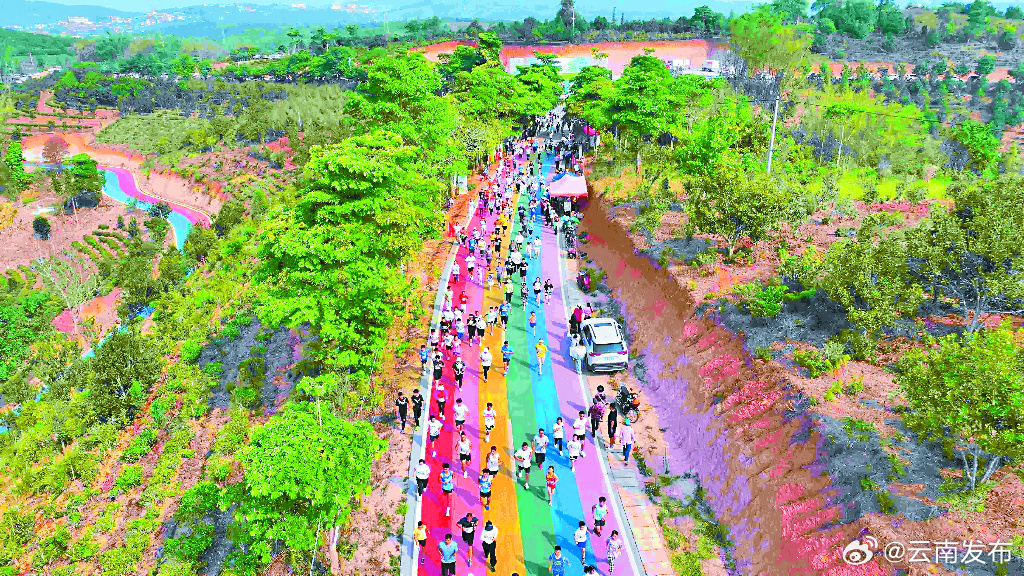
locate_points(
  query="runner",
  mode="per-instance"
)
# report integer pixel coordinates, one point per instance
(551, 479)
(455, 271)
(471, 328)
(558, 433)
(615, 546)
(542, 354)
(549, 289)
(471, 263)
(402, 408)
(510, 288)
(524, 291)
(465, 453)
(600, 511)
(505, 309)
(488, 542)
(575, 448)
(468, 525)
(523, 465)
(540, 448)
(506, 355)
(440, 397)
(557, 563)
(579, 431)
(434, 430)
(485, 489)
(460, 329)
(463, 300)
(485, 361)
(448, 550)
(434, 340)
(493, 461)
(449, 341)
(580, 537)
(460, 411)
(424, 357)
(422, 477)
(447, 487)
(533, 322)
(492, 319)
(459, 368)
(481, 328)
(519, 236)
(417, 406)
(420, 536)
(490, 415)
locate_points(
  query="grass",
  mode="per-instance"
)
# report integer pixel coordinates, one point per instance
(968, 501)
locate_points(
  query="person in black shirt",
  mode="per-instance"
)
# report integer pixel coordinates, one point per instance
(613, 421)
(468, 525)
(417, 406)
(402, 408)
(459, 367)
(438, 366)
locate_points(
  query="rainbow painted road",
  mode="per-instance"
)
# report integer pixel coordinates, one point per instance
(527, 399)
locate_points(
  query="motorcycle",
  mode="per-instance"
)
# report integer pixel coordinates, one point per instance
(583, 281)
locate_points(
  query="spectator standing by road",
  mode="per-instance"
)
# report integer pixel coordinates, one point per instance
(577, 352)
(626, 437)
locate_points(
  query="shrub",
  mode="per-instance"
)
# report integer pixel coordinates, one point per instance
(41, 227)
(817, 363)
(190, 350)
(197, 501)
(119, 562)
(130, 477)
(886, 502)
(855, 385)
(761, 301)
(834, 390)
(139, 446)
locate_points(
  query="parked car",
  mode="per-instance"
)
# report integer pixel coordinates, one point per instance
(605, 344)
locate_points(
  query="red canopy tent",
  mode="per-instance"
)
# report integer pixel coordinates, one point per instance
(567, 185)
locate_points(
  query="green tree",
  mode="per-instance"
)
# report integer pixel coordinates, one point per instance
(792, 10)
(854, 17)
(124, 369)
(15, 160)
(23, 319)
(334, 260)
(734, 204)
(74, 284)
(971, 254)
(971, 388)
(762, 40)
(890, 18)
(490, 46)
(869, 277)
(982, 146)
(986, 64)
(300, 474)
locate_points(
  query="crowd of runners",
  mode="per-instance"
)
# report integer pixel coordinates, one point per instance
(491, 264)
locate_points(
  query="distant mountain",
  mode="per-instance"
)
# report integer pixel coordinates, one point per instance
(208, 20)
(28, 13)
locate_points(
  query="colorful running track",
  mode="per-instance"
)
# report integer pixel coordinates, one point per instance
(525, 400)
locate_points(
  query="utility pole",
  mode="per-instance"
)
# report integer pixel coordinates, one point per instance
(775, 120)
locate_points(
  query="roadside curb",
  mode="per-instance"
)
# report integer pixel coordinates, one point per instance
(408, 551)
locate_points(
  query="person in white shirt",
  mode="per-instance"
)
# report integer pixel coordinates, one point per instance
(536, 246)
(488, 541)
(422, 476)
(455, 272)
(523, 457)
(519, 241)
(575, 448)
(492, 319)
(434, 430)
(470, 265)
(490, 417)
(540, 448)
(481, 327)
(460, 411)
(579, 430)
(465, 453)
(493, 461)
(485, 362)
(580, 537)
(558, 433)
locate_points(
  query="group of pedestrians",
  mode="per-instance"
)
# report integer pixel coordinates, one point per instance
(444, 350)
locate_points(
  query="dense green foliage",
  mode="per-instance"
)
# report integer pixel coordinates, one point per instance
(971, 388)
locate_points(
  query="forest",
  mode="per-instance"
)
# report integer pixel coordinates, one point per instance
(860, 231)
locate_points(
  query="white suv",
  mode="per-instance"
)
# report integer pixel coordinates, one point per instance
(606, 345)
